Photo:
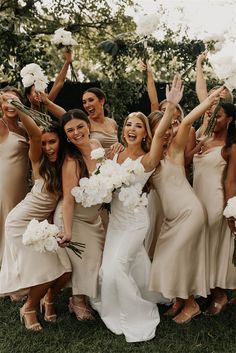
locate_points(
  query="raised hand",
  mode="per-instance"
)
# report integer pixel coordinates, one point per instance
(202, 57)
(175, 93)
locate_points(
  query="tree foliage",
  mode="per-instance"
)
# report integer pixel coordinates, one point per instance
(108, 48)
(26, 28)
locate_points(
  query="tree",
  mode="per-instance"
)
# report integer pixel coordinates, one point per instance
(26, 27)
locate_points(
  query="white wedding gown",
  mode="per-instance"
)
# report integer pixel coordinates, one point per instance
(125, 305)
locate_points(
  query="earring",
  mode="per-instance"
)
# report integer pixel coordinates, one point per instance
(144, 139)
(68, 139)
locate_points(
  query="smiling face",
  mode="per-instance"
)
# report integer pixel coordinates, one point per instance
(8, 110)
(222, 121)
(77, 131)
(134, 130)
(93, 105)
(50, 145)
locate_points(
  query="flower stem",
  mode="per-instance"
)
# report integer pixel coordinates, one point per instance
(234, 254)
(212, 121)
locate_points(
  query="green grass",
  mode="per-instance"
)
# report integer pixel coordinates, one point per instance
(202, 335)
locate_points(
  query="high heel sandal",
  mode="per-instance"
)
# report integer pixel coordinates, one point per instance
(33, 327)
(82, 313)
(48, 318)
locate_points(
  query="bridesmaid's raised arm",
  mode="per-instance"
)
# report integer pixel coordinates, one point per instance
(33, 131)
(174, 95)
(182, 135)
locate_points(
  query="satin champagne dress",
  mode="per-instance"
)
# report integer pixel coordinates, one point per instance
(87, 228)
(22, 266)
(179, 267)
(13, 177)
(208, 185)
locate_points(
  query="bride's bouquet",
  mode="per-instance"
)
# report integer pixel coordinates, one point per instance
(109, 177)
(63, 39)
(43, 236)
(230, 213)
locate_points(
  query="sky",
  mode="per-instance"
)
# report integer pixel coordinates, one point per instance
(204, 17)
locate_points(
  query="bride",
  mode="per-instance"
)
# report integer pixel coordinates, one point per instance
(125, 266)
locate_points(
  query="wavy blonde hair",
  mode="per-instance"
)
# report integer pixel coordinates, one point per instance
(146, 144)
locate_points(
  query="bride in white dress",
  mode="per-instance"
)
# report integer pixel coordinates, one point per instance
(125, 305)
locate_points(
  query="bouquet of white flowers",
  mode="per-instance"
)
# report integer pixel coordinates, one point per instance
(32, 74)
(230, 213)
(107, 178)
(42, 236)
(63, 39)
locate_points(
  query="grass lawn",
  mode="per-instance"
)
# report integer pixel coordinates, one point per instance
(205, 335)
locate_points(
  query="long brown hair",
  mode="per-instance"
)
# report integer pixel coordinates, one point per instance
(51, 171)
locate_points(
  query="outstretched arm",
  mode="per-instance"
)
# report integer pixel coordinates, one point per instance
(151, 88)
(53, 108)
(201, 87)
(174, 95)
(32, 129)
(60, 79)
(182, 135)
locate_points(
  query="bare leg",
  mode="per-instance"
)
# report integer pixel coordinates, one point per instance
(29, 309)
(51, 294)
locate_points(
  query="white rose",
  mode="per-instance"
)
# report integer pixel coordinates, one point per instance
(51, 244)
(147, 24)
(98, 153)
(39, 246)
(40, 85)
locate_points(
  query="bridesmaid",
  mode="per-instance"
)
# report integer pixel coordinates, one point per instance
(51, 270)
(182, 242)
(102, 128)
(78, 223)
(13, 159)
(214, 183)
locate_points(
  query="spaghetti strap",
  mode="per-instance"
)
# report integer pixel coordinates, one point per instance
(115, 158)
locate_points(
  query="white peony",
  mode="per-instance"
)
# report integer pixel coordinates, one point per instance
(147, 24)
(223, 63)
(133, 197)
(40, 85)
(32, 74)
(230, 209)
(98, 153)
(28, 80)
(51, 244)
(41, 236)
(61, 36)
